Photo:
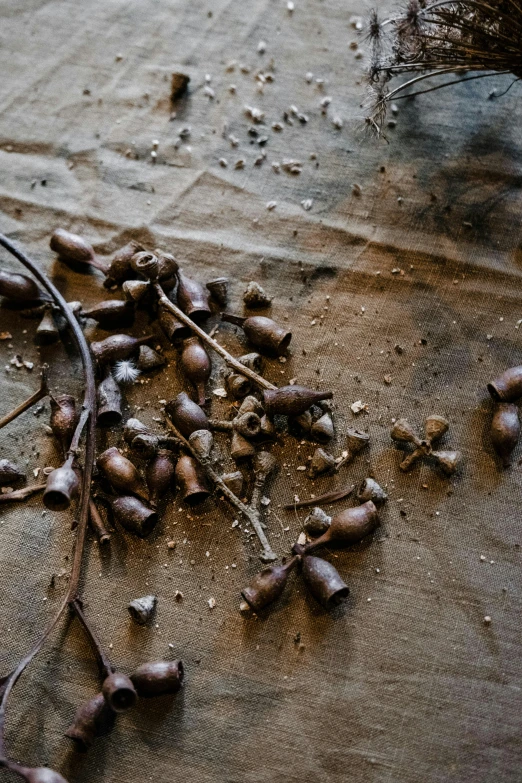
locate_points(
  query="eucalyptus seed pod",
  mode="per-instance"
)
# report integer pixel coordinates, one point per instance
(135, 290)
(9, 473)
(402, 430)
(201, 442)
(237, 385)
(448, 461)
(435, 427)
(97, 524)
(47, 331)
(64, 419)
(256, 296)
(348, 527)
(247, 424)
(507, 387)
(251, 405)
(171, 326)
(192, 298)
(262, 332)
(108, 396)
(92, 719)
(146, 264)
(190, 480)
(240, 448)
(142, 609)
(195, 363)
(112, 313)
(40, 775)
(322, 430)
(254, 361)
(146, 445)
(292, 400)
(117, 347)
(120, 265)
(121, 473)
(219, 290)
(304, 421)
(134, 427)
(119, 692)
(167, 266)
(61, 487)
(159, 475)
(356, 441)
(158, 678)
(268, 585)
(324, 582)
(317, 522)
(505, 431)
(186, 415)
(268, 431)
(321, 462)
(369, 489)
(234, 482)
(149, 359)
(132, 514)
(75, 250)
(19, 288)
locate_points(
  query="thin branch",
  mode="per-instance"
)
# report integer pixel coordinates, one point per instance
(76, 608)
(21, 494)
(447, 84)
(42, 392)
(328, 497)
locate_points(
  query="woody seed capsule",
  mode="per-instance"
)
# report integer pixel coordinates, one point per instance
(117, 347)
(132, 514)
(63, 419)
(93, 718)
(219, 290)
(190, 480)
(120, 268)
(324, 582)
(292, 400)
(19, 288)
(72, 248)
(505, 431)
(9, 473)
(192, 298)
(348, 527)
(121, 473)
(508, 386)
(119, 692)
(62, 486)
(112, 313)
(268, 585)
(195, 363)
(160, 475)
(186, 415)
(262, 332)
(109, 401)
(158, 678)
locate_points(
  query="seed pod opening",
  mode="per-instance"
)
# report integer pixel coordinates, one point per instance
(158, 678)
(10, 473)
(171, 326)
(121, 473)
(142, 609)
(324, 581)
(92, 719)
(317, 522)
(195, 363)
(251, 405)
(160, 475)
(247, 424)
(505, 431)
(219, 290)
(369, 489)
(237, 385)
(64, 418)
(109, 401)
(167, 266)
(61, 487)
(186, 415)
(132, 514)
(191, 481)
(322, 430)
(262, 332)
(356, 441)
(292, 400)
(192, 298)
(435, 427)
(321, 462)
(508, 386)
(268, 585)
(112, 313)
(119, 692)
(19, 288)
(146, 264)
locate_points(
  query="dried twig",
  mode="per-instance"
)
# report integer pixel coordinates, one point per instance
(42, 392)
(21, 494)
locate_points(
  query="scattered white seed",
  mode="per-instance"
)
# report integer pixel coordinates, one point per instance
(256, 114)
(487, 619)
(290, 6)
(234, 141)
(337, 123)
(223, 162)
(309, 77)
(271, 205)
(358, 406)
(209, 92)
(307, 204)
(261, 47)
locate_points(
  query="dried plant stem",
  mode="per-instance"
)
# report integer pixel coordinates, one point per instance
(86, 422)
(328, 497)
(251, 514)
(76, 607)
(229, 359)
(42, 392)
(21, 494)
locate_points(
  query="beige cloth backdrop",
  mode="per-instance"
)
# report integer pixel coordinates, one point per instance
(405, 683)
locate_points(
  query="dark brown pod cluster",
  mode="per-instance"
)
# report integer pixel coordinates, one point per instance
(262, 332)
(117, 347)
(158, 678)
(192, 298)
(505, 431)
(160, 475)
(132, 514)
(434, 428)
(119, 692)
(121, 473)
(64, 418)
(19, 288)
(186, 415)
(195, 363)
(190, 480)
(10, 473)
(292, 400)
(268, 585)
(92, 719)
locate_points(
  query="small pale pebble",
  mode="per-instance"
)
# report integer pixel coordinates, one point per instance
(207, 554)
(223, 162)
(487, 620)
(261, 47)
(277, 126)
(301, 539)
(358, 406)
(234, 141)
(290, 6)
(271, 205)
(369, 600)
(387, 379)
(232, 88)
(309, 77)
(265, 501)
(307, 204)
(483, 559)
(337, 123)
(301, 467)
(171, 545)
(171, 646)
(220, 392)
(209, 92)
(211, 603)
(276, 167)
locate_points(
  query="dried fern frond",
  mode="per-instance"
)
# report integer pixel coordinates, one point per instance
(444, 37)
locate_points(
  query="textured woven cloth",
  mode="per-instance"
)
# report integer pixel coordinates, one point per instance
(405, 683)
